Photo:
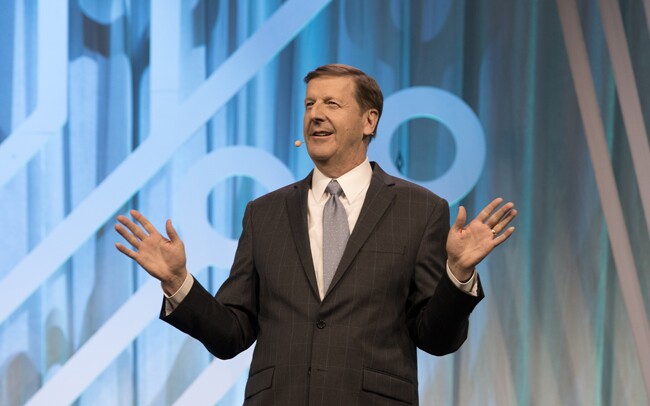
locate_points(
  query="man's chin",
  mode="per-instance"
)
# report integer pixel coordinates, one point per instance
(320, 159)
(318, 154)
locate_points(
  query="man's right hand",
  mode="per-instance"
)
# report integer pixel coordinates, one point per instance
(162, 258)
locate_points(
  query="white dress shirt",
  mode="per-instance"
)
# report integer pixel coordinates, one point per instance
(355, 185)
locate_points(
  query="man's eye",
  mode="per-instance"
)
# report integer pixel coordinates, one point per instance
(332, 103)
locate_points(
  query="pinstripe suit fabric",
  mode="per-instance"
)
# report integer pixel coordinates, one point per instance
(357, 346)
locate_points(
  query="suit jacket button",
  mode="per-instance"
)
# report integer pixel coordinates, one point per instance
(320, 324)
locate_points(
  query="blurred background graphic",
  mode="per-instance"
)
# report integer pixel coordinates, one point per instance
(189, 109)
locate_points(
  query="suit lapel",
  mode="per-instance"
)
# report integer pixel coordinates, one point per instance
(297, 212)
(378, 198)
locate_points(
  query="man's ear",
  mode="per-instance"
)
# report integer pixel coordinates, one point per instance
(370, 125)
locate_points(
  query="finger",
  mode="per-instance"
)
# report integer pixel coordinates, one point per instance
(487, 211)
(171, 232)
(500, 215)
(144, 221)
(505, 220)
(126, 251)
(134, 228)
(503, 236)
(497, 215)
(130, 238)
(459, 223)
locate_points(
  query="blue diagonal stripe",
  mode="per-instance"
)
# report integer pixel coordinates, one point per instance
(51, 84)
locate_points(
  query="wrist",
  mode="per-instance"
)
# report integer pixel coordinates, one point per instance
(174, 283)
(462, 274)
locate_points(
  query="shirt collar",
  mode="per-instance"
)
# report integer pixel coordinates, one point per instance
(352, 182)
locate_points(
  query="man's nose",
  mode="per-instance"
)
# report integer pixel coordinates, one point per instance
(315, 112)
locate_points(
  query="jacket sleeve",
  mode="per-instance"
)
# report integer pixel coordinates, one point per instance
(437, 312)
(226, 324)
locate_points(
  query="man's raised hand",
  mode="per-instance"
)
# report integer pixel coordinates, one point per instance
(467, 245)
(163, 258)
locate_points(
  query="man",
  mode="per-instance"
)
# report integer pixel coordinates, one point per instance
(338, 277)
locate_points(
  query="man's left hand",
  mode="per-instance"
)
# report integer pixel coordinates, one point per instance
(467, 245)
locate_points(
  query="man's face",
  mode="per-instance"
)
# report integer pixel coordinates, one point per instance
(335, 128)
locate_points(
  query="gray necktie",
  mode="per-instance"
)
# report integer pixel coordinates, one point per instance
(336, 232)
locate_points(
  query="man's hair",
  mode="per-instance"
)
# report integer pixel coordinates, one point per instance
(367, 92)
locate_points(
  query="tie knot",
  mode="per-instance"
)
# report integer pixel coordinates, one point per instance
(334, 189)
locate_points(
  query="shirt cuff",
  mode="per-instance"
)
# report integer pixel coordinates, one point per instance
(172, 302)
(470, 286)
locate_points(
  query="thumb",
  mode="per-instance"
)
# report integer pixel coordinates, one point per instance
(171, 232)
(460, 218)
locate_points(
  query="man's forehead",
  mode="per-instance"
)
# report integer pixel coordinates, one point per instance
(331, 86)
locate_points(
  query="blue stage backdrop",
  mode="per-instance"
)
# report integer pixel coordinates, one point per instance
(189, 109)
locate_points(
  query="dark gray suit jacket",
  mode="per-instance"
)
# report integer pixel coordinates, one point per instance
(357, 346)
